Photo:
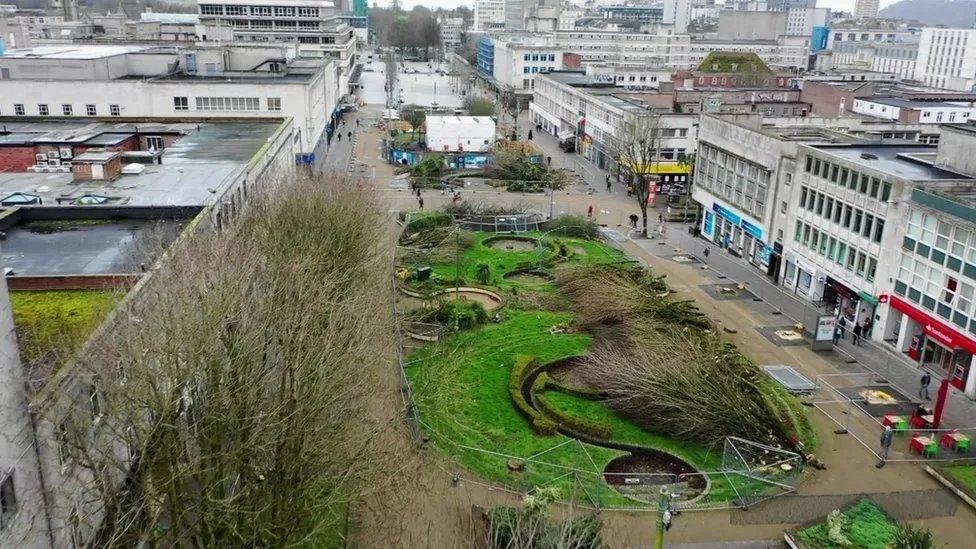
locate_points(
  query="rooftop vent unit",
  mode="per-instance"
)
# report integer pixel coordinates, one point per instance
(869, 156)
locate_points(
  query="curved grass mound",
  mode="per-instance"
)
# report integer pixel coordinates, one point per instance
(667, 372)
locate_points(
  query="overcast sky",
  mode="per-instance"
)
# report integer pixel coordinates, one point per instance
(843, 5)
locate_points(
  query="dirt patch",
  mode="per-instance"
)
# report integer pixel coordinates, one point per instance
(642, 476)
(512, 244)
(529, 277)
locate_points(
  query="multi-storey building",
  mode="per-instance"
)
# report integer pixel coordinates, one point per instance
(856, 32)
(637, 14)
(677, 13)
(312, 25)
(90, 81)
(489, 15)
(896, 58)
(947, 58)
(866, 9)
(598, 111)
(452, 31)
(802, 21)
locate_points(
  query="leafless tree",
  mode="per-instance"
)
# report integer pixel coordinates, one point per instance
(638, 151)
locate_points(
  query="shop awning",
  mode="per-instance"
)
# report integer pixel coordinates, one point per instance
(867, 297)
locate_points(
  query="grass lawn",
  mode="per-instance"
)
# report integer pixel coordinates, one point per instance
(963, 475)
(866, 527)
(57, 321)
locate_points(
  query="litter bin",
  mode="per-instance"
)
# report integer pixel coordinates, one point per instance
(423, 273)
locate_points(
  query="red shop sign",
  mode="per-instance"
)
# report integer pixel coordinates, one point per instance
(933, 328)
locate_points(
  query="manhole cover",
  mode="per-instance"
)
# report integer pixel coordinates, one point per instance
(788, 335)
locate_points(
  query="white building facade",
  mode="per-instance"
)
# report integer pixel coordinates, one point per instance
(136, 82)
(947, 58)
(489, 15)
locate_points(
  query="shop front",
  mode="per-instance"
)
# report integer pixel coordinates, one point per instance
(736, 233)
(797, 274)
(934, 344)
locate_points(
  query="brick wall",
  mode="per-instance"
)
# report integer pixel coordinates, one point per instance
(16, 159)
(825, 99)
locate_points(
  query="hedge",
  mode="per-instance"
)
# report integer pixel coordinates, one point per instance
(540, 423)
(596, 429)
(429, 221)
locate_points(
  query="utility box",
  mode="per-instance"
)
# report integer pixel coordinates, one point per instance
(423, 273)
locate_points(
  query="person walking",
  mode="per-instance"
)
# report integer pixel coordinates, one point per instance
(420, 200)
(866, 330)
(357, 122)
(633, 221)
(923, 385)
(418, 191)
(349, 135)
(886, 437)
(842, 324)
(530, 135)
(608, 182)
(589, 211)
(705, 252)
(837, 331)
(549, 161)
(856, 337)
(339, 136)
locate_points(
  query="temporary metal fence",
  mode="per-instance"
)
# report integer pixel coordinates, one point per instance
(862, 405)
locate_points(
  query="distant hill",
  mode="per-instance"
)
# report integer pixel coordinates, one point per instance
(951, 13)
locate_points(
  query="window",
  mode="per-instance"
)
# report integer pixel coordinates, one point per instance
(114, 110)
(875, 187)
(868, 223)
(91, 110)
(43, 110)
(154, 143)
(803, 197)
(885, 191)
(66, 110)
(181, 104)
(19, 109)
(274, 104)
(227, 103)
(8, 500)
(208, 9)
(856, 227)
(861, 263)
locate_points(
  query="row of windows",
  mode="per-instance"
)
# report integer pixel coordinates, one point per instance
(226, 103)
(67, 109)
(277, 25)
(836, 250)
(853, 180)
(739, 181)
(843, 214)
(258, 11)
(534, 70)
(955, 314)
(957, 240)
(539, 57)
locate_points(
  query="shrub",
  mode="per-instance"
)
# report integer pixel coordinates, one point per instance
(430, 167)
(909, 537)
(573, 225)
(458, 315)
(479, 107)
(424, 222)
(483, 273)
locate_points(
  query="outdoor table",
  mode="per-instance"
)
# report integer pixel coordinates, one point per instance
(919, 442)
(929, 419)
(895, 422)
(956, 441)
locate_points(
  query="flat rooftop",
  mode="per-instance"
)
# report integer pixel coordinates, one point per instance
(903, 161)
(206, 158)
(913, 103)
(75, 51)
(88, 247)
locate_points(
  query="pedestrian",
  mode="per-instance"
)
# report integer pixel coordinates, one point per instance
(706, 252)
(530, 135)
(866, 331)
(339, 136)
(608, 182)
(420, 200)
(856, 338)
(418, 191)
(666, 519)
(923, 390)
(660, 218)
(886, 437)
(633, 221)
(842, 325)
(357, 122)
(630, 189)
(589, 211)
(837, 332)
(549, 161)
